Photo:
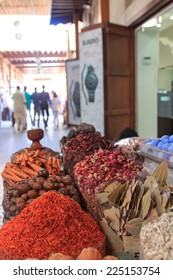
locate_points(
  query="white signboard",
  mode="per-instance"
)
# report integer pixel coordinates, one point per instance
(73, 91)
(91, 74)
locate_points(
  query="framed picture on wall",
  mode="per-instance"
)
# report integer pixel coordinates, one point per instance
(73, 91)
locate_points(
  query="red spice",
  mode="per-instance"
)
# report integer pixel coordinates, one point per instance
(104, 166)
(51, 223)
(80, 146)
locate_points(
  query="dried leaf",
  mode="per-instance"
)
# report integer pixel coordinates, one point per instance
(114, 240)
(156, 196)
(115, 224)
(153, 214)
(161, 172)
(111, 187)
(123, 193)
(117, 211)
(122, 222)
(116, 193)
(139, 198)
(102, 198)
(110, 213)
(146, 201)
(134, 226)
(127, 198)
(151, 182)
(165, 199)
(132, 213)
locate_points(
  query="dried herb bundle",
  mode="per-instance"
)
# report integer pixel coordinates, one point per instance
(124, 207)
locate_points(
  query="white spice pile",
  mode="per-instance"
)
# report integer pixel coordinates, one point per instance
(156, 238)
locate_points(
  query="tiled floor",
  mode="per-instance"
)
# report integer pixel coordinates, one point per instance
(11, 142)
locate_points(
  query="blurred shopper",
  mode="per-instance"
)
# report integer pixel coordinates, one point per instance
(36, 103)
(45, 102)
(19, 109)
(127, 133)
(56, 107)
(28, 102)
(1, 108)
(6, 114)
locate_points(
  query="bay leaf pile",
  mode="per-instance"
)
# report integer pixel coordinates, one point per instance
(124, 207)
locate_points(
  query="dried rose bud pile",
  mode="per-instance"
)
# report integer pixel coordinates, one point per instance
(104, 165)
(80, 146)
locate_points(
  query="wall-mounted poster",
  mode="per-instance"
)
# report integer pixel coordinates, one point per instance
(91, 75)
(73, 91)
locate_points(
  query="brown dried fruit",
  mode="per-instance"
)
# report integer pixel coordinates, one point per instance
(29, 200)
(67, 180)
(31, 182)
(41, 192)
(23, 188)
(19, 200)
(37, 186)
(24, 196)
(47, 186)
(13, 200)
(40, 180)
(16, 193)
(56, 186)
(12, 209)
(21, 205)
(59, 179)
(7, 206)
(32, 194)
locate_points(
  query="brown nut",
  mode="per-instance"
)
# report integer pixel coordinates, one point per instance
(32, 194)
(23, 188)
(47, 186)
(67, 180)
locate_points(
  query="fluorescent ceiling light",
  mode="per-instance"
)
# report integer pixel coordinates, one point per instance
(150, 23)
(171, 17)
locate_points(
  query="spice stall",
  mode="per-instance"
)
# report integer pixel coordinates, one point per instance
(88, 201)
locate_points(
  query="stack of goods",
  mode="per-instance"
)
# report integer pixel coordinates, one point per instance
(159, 149)
(124, 207)
(82, 142)
(51, 223)
(26, 163)
(156, 239)
(19, 195)
(99, 169)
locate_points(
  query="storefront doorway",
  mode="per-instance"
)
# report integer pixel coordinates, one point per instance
(154, 75)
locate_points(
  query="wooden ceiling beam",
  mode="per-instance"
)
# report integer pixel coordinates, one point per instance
(10, 55)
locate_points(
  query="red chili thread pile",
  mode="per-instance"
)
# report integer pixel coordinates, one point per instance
(51, 223)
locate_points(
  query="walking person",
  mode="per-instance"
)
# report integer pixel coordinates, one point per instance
(45, 102)
(28, 102)
(56, 107)
(1, 107)
(19, 109)
(36, 103)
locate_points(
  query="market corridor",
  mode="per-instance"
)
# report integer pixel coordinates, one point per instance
(11, 142)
